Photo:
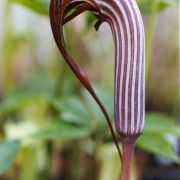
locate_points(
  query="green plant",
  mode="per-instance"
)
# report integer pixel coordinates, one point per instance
(54, 117)
(129, 119)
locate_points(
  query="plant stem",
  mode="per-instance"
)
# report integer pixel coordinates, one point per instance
(7, 48)
(150, 34)
(128, 145)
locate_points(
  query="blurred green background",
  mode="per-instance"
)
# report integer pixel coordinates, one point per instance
(50, 127)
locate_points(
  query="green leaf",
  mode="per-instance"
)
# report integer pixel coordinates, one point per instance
(90, 20)
(107, 99)
(155, 6)
(161, 124)
(38, 6)
(59, 130)
(154, 140)
(158, 145)
(38, 88)
(8, 152)
(36, 85)
(73, 110)
(14, 104)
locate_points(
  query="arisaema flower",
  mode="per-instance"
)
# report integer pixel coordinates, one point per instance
(125, 21)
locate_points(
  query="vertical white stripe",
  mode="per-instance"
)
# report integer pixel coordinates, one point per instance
(142, 125)
(128, 64)
(140, 60)
(123, 55)
(134, 66)
(142, 42)
(140, 23)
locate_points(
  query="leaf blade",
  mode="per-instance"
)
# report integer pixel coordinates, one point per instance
(158, 145)
(59, 130)
(38, 6)
(161, 124)
(8, 152)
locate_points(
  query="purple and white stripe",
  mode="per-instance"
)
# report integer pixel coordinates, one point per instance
(128, 31)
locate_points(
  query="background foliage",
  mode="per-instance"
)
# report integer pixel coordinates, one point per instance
(49, 110)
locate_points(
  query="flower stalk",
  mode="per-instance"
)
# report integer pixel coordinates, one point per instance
(126, 24)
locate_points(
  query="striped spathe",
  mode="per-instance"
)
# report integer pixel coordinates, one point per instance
(128, 32)
(127, 27)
